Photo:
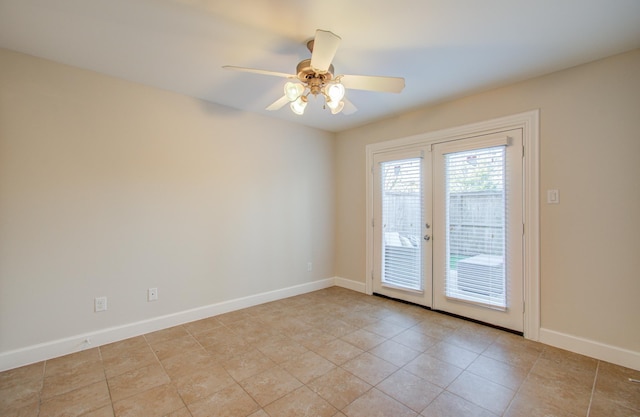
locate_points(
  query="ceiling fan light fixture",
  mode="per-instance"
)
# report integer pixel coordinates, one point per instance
(337, 108)
(335, 91)
(298, 105)
(316, 76)
(293, 90)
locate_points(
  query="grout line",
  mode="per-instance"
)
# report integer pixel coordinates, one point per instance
(523, 382)
(593, 389)
(171, 382)
(44, 372)
(106, 379)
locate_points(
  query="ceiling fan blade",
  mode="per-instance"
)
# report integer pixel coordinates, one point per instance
(259, 71)
(372, 83)
(325, 46)
(278, 104)
(349, 108)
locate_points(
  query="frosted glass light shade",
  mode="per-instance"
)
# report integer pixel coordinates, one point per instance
(335, 92)
(298, 106)
(293, 90)
(337, 108)
(332, 104)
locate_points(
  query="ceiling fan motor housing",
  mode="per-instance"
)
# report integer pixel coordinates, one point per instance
(314, 80)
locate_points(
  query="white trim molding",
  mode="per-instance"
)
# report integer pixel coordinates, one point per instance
(591, 348)
(350, 284)
(36, 353)
(529, 123)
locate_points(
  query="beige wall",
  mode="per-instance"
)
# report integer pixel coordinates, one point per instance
(109, 187)
(590, 151)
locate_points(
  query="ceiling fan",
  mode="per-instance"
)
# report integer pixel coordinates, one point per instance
(316, 76)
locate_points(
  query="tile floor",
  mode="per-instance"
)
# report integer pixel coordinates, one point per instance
(328, 353)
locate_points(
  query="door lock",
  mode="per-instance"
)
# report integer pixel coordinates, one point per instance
(427, 237)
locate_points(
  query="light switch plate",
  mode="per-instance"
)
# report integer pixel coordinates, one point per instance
(553, 197)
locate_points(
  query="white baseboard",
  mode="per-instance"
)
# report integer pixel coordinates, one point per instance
(602, 351)
(36, 353)
(350, 284)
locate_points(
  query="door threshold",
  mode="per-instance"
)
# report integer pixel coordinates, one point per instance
(493, 326)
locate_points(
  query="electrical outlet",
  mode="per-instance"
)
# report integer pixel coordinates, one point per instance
(152, 294)
(309, 266)
(100, 304)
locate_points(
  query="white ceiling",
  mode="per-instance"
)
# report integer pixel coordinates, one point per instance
(443, 48)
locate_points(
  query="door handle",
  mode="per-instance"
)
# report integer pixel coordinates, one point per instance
(427, 237)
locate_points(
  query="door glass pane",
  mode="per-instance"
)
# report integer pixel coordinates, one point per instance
(402, 223)
(475, 226)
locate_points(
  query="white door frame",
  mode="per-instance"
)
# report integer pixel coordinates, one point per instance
(529, 123)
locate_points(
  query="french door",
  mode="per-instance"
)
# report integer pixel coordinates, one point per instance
(448, 227)
(402, 225)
